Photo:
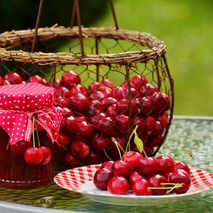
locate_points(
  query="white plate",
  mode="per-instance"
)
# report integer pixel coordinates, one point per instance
(81, 180)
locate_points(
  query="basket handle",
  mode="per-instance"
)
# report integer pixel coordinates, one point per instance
(75, 11)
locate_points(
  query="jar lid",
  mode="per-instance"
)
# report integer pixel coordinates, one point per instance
(19, 103)
(26, 97)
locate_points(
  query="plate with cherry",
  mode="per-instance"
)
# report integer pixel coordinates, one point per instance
(136, 179)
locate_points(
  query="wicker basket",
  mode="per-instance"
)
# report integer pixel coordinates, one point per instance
(90, 52)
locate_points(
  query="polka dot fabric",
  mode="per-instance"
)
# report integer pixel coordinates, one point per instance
(19, 102)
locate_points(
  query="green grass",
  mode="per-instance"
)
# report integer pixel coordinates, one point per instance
(186, 28)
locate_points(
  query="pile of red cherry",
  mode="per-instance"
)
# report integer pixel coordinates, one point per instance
(91, 116)
(143, 175)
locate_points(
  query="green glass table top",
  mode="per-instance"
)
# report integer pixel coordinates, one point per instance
(185, 135)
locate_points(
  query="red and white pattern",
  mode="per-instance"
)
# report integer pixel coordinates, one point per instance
(19, 102)
(73, 179)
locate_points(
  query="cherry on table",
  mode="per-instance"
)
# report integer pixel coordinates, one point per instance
(134, 177)
(182, 165)
(166, 164)
(118, 185)
(156, 181)
(141, 187)
(101, 178)
(121, 168)
(107, 165)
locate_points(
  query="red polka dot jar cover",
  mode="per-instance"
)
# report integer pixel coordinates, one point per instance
(18, 103)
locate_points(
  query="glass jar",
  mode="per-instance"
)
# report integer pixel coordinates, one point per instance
(17, 125)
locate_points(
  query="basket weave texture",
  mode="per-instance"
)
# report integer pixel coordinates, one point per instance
(14, 38)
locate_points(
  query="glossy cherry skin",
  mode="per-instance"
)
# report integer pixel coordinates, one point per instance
(97, 95)
(63, 140)
(179, 176)
(84, 130)
(79, 149)
(118, 185)
(94, 157)
(107, 126)
(70, 77)
(123, 106)
(79, 101)
(182, 165)
(107, 165)
(132, 158)
(134, 177)
(155, 181)
(71, 160)
(148, 166)
(163, 118)
(47, 154)
(107, 101)
(70, 123)
(13, 78)
(20, 147)
(94, 86)
(78, 88)
(167, 101)
(138, 80)
(99, 142)
(121, 168)
(101, 178)
(36, 78)
(106, 83)
(62, 91)
(141, 124)
(62, 102)
(111, 110)
(33, 155)
(122, 124)
(147, 90)
(141, 187)
(166, 164)
(66, 112)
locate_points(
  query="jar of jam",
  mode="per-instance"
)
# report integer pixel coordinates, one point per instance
(28, 119)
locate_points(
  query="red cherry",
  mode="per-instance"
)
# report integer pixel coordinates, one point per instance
(94, 108)
(145, 105)
(36, 78)
(166, 164)
(141, 124)
(63, 140)
(148, 166)
(134, 93)
(118, 185)
(1, 80)
(107, 126)
(123, 106)
(94, 86)
(78, 88)
(111, 110)
(182, 165)
(156, 181)
(117, 92)
(101, 178)
(80, 118)
(167, 101)
(134, 177)
(138, 80)
(163, 118)
(158, 102)
(141, 187)
(132, 158)
(33, 155)
(79, 149)
(150, 124)
(62, 92)
(70, 78)
(66, 112)
(107, 165)
(5, 82)
(158, 128)
(84, 130)
(13, 78)
(154, 141)
(62, 102)
(94, 157)
(79, 101)
(71, 160)
(121, 168)
(106, 83)
(107, 101)
(122, 124)
(147, 90)
(46, 154)
(99, 142)
(107, 92)
(180, 176)
(121, 143)
(20, 147)
(97, 95)
(70, 123)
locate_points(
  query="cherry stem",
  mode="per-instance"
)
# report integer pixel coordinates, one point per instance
(37, 132)
(118, 145)
(107, 155)
(176, 185)
(128, 143)
(33, 131)
(191, 156)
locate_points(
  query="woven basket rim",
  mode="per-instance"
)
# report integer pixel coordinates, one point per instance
(14, 38)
